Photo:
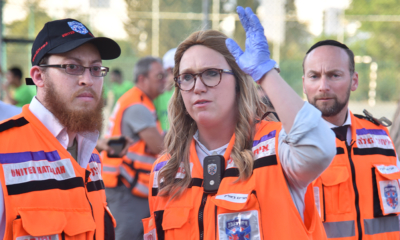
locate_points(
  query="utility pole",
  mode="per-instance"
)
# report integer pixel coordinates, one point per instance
(205, 14)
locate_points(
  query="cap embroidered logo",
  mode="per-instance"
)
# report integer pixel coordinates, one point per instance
(78, 27)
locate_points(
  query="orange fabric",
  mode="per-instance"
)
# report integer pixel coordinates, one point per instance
(335, 186)
(46, 192)
(133, 167)
(263, 200)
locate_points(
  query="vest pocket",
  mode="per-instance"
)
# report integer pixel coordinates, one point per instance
(238, 216)
(149, 227)
(385, 190)
(52, 224)
(175, 222)
(336, 188)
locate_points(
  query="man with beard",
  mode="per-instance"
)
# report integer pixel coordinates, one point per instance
(357, 196)
(50, 173)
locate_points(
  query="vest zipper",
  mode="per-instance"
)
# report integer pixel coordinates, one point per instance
(216, 225)
(201, 215)
(357, 196)
(87, 174)
(63, 236)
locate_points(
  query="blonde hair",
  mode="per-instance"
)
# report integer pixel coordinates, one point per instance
(183, 127)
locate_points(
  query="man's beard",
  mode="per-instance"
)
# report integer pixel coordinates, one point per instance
(82, 120)
(329, 111)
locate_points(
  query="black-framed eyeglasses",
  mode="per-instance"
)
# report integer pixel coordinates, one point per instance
(209, 77)
(74, 69)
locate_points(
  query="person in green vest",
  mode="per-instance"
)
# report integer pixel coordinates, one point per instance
(118, 86)
(161, 102)
(17, 92)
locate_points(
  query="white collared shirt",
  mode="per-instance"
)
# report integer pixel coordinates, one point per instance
(86, 144)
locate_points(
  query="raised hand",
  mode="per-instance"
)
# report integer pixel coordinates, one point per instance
(255, 61)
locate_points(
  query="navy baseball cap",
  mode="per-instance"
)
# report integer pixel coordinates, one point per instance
(64, 35)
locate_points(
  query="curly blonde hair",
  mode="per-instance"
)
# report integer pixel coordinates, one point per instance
(183, 127)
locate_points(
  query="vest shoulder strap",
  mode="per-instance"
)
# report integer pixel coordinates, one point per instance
(368, 116)
(19, 122)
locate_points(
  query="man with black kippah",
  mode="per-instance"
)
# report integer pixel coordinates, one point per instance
(357, 196)
(50, 173)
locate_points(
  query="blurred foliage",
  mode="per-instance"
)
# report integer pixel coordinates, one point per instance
(173, 31)
(379, 40)
(293, 50)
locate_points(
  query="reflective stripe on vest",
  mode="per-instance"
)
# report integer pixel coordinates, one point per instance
(340, 229)
(139, 186)
(141, 158)
(109, 169)
(381, 225)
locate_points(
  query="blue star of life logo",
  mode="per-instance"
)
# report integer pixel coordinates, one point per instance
(238, 229)
(212, 169)
(391, 196)
(78, 27)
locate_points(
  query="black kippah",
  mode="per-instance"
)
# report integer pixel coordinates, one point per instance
(327, 42)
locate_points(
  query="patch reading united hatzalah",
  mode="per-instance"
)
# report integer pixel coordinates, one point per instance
(239, 226)
(78, 27)
(265, 146)
(373, 138)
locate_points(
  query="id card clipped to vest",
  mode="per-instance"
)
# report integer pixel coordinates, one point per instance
(213, 171)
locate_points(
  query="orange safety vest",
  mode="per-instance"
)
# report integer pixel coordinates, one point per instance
(133, 169)
(358, 193)
(47, 195)
(259, 208)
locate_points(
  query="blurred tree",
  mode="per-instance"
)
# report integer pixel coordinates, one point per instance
(294, 48)
(18, 54)
(379, 40)
(174, 31)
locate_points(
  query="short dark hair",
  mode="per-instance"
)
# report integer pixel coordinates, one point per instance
(330, 42)
(16, 71)
(142, 67)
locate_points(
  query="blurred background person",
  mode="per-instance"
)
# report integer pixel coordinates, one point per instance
(17, 92)
(126, 179)
(118, 86)
(161, 102)
(8, 110)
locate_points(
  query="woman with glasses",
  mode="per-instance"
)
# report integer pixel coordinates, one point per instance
(226, 173)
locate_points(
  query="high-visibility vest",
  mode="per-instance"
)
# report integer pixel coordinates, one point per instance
(134, 168)
(47, 194)
(259, 208)
(358, 193)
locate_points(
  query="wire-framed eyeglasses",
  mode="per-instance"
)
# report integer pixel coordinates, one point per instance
(209, 77)
(74, 69)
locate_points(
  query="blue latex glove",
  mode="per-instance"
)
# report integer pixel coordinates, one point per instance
(255, 61)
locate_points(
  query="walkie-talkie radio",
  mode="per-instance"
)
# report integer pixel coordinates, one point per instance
(213, 172)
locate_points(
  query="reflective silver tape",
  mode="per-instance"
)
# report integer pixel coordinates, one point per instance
(142, 188)
(141, 158)
(381, 225)
(340, 229)
(125, 174)
(110, 169)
